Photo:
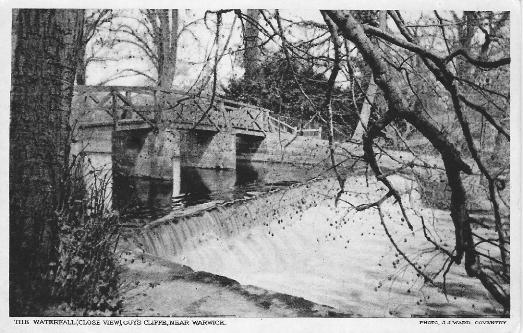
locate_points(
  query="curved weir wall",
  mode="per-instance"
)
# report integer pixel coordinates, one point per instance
(296, 241)
(174, 233)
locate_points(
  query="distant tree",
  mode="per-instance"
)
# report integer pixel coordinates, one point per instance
(94, 21)
(44, 65)
(252, 49)
(279, 92)
(156, 35)
(164, 23)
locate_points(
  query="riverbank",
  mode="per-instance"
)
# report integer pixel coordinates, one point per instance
(156, 287)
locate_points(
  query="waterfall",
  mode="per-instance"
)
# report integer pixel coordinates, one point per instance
(296, 241)
(170, 237)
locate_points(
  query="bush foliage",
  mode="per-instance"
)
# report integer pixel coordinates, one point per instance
(85, 277)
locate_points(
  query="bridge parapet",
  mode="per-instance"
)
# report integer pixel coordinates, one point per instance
(127, 107)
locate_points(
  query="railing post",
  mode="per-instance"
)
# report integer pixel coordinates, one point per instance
(226, 115)
(128, 97)
(115, 115)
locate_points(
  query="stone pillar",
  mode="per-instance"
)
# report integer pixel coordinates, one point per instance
(96, 139)
(209, 150)
(156, 157)
(177, 177)
(143, 153)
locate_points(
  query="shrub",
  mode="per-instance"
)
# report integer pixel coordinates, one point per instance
(85, 276)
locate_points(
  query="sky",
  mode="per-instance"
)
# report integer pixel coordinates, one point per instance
(196, 51)
(195, 47)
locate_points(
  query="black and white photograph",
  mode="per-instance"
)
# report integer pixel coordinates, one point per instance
(186, 167)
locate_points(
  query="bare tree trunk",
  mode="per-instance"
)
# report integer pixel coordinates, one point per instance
(93, 20)
(166, 44)
(366, 108)
(42, 86)
(466, 30)
(251, 55)
(365, 112)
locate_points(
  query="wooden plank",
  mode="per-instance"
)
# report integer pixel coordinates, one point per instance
(254, 120)
(128, 103)
(149, 89)
(115, 116)
(105, 99)
(205, 115)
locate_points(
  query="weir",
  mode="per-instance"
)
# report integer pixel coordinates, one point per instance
(298, 242)
(183, 231)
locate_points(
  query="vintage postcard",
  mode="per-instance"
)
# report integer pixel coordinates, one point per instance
(262, 166)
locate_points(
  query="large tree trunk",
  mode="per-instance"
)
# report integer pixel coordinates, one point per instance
(251, 55)
(165, 24)
(43, 74)
(166, 44)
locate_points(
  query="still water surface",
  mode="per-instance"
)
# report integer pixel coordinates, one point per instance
(148, 198)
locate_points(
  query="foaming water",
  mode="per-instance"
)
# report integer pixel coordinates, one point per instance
(298, 243)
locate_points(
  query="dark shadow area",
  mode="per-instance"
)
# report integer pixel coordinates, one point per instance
(140, 197)
(246, 145)
(127, 145)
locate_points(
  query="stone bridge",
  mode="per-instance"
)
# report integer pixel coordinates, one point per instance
(144, 128)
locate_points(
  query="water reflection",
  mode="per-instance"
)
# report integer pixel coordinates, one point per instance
(140, 197)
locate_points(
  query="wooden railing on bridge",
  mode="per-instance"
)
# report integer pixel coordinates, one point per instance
(132, 106)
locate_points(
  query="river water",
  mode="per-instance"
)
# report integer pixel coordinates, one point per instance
(148, 198)
(327, 255)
